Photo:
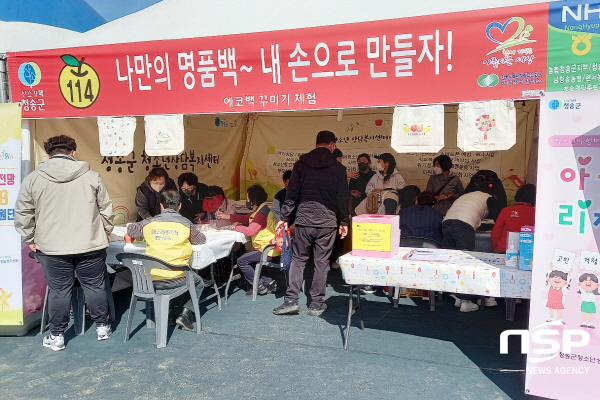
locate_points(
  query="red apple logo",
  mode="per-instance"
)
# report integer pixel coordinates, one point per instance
(413, 128)
(378, 122)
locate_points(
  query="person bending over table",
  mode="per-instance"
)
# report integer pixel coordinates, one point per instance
(260, 225)
(146, 198)
(216, 201)
(422, 220)
(192, 195)
(512, 218)
(174, 248)
(458, 228)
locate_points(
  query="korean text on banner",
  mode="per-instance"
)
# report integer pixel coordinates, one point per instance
(487, 125)
(418, 129)
(441, 58)
(164, 135)
(11, 283)
(564, 289)
(116, 136)
(572, 59)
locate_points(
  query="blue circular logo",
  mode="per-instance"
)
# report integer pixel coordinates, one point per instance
(30, 74)
(217, 121)
(554, 104)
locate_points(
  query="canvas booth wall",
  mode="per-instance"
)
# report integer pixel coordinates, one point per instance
(276, 140)
(213, 149)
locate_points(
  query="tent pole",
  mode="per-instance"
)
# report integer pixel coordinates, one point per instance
(3, 79)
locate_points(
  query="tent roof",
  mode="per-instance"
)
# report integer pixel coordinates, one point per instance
(175, 19)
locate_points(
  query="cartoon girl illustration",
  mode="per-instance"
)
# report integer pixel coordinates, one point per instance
(557, 280)
(588, 288)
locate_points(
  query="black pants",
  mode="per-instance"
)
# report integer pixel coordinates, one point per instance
(308, 241)
(184, 300)
(460, 236)
(59, 271)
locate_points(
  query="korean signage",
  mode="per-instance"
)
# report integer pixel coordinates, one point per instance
(475, 55)
(566, 266)
(11, 293)
(573, 46)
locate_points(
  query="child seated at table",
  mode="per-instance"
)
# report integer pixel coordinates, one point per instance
(260, 225)
(512, 218)
(175, 249)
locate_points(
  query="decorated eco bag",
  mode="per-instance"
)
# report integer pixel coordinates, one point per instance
(116, 135)
(486, 125)
(418, 129)
(164, 135)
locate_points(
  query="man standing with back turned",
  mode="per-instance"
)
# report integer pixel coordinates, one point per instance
(65, 215)
(318, 190)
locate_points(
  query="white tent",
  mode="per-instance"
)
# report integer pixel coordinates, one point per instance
(174, 19)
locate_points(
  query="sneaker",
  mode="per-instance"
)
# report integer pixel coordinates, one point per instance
(335, 265)
(184, 321)
(288, 307)
(272, 287)
(261, 290)
(468, 306)
(369, 289)
(56, 343)
(591, 326)
(457, 302)
(316, 309)
(584, 325)
(489, 302)
(425, 295)
(103, 331)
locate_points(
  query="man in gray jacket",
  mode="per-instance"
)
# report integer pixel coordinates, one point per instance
(65, 215)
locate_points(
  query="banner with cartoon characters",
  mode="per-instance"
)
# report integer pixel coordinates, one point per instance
(497, 53)
(566, 263)
(11, 285)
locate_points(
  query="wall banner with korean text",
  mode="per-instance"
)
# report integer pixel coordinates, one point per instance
(11, 283)
(573, 46)
(566, 266)
(276, 141)
(486, 54)
(213, 148)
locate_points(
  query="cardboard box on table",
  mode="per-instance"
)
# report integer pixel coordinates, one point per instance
(375, 235)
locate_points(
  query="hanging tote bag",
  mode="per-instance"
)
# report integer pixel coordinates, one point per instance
(487, 125)
(116, 136)
(418, 129)
(164, 135)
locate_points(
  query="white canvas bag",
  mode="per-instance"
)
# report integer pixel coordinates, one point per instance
(487, 125)
(418, 129)
(164, 135)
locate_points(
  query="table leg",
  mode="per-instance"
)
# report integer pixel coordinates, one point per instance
(362, 324)
(432, 300)
(396, 296)
(510, 308)
(350, 311)
(212, 276)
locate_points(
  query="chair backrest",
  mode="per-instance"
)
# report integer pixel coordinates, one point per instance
(419, 242)
(140, 266)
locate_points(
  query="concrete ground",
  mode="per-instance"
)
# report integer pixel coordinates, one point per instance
(247, 352)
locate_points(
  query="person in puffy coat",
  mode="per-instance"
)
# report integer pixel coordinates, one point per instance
(512, 218)
(318, 190)
(146, 198)
(63, 212)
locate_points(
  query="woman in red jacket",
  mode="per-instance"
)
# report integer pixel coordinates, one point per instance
(512, 218)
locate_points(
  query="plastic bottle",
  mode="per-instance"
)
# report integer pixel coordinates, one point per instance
(512, 256)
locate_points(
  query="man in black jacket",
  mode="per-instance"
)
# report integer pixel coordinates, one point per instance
(318, 191)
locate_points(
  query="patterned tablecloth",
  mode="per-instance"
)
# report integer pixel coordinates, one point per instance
(446, 271)
(218, 245)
